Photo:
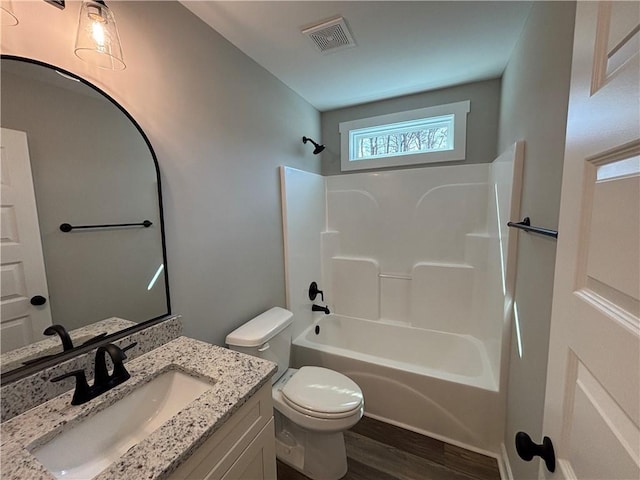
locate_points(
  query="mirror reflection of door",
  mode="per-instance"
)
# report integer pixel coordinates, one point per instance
(22, 263)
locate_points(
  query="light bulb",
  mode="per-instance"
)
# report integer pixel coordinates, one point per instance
(97, 32)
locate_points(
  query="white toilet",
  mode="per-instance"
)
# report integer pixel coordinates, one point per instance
(313, 405)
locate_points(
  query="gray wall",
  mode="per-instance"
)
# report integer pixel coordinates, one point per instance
(220, 125)
(535, 89)
(482, 121)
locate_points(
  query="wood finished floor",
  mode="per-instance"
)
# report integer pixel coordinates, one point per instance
(379, 451)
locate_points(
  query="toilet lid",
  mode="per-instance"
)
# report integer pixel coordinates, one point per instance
(320, 390)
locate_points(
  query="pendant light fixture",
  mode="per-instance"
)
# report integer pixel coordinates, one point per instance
(97, 40)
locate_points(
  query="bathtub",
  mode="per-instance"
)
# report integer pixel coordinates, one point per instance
(437, 383)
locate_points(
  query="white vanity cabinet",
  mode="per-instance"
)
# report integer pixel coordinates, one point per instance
(243, 448)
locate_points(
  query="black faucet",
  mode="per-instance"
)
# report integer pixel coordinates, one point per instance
(103, 381)
(59, 330)
(318, 308)
(67, 343)
(120, 374)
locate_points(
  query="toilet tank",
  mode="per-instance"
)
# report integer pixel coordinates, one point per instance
(266, 336)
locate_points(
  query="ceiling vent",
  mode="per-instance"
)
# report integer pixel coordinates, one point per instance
(330, 36)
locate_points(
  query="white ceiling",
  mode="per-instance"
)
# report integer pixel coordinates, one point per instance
(402, 47)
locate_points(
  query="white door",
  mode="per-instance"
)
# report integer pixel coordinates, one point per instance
(592, 407)
(22, 263)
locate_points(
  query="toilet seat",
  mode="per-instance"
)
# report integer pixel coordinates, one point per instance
(322, 393)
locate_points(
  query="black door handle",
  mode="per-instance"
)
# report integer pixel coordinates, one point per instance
(38, 300)
(527, 450)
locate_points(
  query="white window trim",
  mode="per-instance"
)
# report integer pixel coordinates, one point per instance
(458, 109)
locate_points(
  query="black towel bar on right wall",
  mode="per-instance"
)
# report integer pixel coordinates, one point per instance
(525, 225)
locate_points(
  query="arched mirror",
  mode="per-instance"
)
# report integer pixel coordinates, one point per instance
(82, 230)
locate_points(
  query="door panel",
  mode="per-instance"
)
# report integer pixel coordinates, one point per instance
(592, 405)
(610, 269)
(617, 40)
(596, 424)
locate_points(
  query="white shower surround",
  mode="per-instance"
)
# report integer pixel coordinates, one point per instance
(415, 252)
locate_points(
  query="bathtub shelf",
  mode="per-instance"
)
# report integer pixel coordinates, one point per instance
(525, 225)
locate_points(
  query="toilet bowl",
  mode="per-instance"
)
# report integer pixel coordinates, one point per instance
(313, 406)
(318, 399)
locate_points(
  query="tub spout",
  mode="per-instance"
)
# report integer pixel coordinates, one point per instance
(318, 308)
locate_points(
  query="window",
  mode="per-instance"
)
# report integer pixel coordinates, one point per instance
(426, 135)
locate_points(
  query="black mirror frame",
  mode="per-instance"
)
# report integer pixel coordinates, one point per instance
(27, 370)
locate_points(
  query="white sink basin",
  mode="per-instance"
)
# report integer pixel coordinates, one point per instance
(85, 450)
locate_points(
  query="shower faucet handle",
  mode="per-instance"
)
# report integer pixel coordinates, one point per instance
(313, 292)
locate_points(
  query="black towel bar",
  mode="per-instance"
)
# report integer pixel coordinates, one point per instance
(66, 227)
(525, 225)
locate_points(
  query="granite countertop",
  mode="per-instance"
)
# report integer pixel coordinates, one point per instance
(234, 376)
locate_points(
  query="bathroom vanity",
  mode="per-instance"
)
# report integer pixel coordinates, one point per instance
(225, 433)
(243, 448)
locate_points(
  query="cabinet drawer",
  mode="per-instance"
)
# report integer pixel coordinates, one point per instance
(219, 453)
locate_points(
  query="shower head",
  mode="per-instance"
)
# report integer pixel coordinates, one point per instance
(318, 148)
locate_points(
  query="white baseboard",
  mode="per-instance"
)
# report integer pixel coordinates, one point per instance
(504, 465)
